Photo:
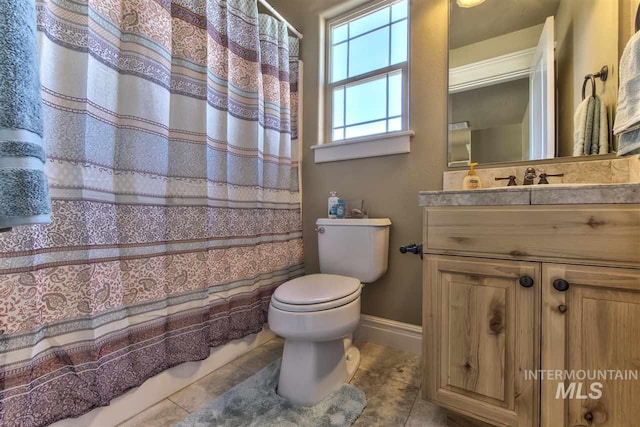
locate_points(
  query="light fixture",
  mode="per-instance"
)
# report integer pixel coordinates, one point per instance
(469, 3)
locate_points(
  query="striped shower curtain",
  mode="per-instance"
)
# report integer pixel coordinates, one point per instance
(170, 130)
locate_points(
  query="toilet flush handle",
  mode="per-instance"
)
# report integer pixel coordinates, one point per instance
(320, 229)
(412, 248)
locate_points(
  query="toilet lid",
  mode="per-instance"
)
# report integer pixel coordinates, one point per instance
(316, 289)
(312, 308)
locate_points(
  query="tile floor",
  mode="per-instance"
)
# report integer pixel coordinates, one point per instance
(390, 379)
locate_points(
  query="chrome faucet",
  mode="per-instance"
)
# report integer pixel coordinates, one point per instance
(529, 176)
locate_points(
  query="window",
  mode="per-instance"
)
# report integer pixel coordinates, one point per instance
(367, 72)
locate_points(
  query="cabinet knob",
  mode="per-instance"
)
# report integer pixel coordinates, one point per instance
(526, 281)
(562, 308)
(588, 417)
(560, 285)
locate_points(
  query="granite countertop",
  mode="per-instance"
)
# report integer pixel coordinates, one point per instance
(565, 194)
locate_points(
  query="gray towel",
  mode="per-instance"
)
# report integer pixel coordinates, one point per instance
(24, 193)
(588, 132)
(628, 113)
(629, 142)
(591, 127)
(595, 133)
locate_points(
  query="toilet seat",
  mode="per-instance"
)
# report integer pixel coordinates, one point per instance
(315, 307)
(316, 292)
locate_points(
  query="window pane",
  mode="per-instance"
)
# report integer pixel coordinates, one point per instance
(399, 10)
(339, 62)
(395, 124)
(365, 46)
(338, 107)
(340, 34)
(399, 42)
(395, 94)
(370, 52)
(367, 129)
(369, 22)
(367, 101)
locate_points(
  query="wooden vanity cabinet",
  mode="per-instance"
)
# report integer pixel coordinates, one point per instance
(486, 324)
(483, 335)
(592, 326)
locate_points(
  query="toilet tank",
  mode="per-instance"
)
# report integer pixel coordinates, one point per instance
(354, 247)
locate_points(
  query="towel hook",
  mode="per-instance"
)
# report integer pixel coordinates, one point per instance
(603, 74)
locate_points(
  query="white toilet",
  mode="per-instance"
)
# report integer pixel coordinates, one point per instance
(316, 314)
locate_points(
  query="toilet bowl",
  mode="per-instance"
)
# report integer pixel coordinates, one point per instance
(317, 314)
(315, 361)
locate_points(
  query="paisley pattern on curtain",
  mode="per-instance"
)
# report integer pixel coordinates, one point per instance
(171, 136)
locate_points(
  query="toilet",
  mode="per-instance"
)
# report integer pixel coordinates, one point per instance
(316, 314)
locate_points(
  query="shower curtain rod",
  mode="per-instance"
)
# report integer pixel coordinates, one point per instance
(280, 17)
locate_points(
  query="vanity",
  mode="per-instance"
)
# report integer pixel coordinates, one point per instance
(531, 293)
(521, 282)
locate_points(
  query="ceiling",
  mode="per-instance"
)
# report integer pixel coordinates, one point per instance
(491, 106)
(496, 17)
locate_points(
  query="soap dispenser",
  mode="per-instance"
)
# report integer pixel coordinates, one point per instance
(333, 204)
(472, 181)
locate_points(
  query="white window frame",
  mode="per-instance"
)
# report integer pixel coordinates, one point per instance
(394, 142)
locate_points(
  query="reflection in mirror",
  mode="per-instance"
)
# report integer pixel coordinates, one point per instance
(516, 72)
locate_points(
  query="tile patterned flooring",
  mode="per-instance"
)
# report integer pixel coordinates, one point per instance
(390, 378)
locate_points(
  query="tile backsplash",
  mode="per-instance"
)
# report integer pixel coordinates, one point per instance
(608, 171)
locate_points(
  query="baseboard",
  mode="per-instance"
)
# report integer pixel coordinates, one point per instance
(165, 384)
(389, 333)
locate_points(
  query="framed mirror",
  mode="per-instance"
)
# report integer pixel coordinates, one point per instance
(517, 69)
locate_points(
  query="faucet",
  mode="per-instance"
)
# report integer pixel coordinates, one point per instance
(529, 176)
(543, 177)
(511, 178)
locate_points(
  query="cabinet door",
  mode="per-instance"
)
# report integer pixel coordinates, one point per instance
(590, 328)
(480, 335)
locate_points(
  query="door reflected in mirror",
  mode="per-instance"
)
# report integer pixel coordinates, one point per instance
(516, 73)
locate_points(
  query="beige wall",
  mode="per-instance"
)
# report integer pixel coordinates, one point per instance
(628, 9)
(491, 106)
(389, 185)
(587, 34)
(495, 114)
(497, 145)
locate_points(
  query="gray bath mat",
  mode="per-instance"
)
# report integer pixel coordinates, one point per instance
(254, 403)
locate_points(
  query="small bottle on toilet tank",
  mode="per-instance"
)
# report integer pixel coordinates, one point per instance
(333, 204)
(340, 209)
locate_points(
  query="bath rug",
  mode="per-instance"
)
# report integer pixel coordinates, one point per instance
(255, 403)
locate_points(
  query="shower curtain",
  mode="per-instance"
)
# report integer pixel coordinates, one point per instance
(170, 131)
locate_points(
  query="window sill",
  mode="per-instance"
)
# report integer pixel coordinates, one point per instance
(360, 148)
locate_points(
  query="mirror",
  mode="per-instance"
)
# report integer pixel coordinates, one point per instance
(516, 75)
